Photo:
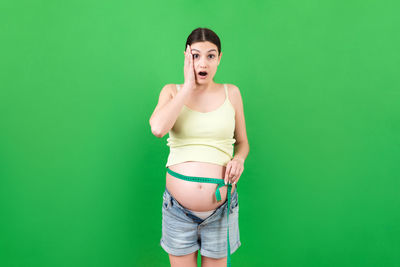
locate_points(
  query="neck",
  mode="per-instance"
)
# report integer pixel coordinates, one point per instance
(205, 86)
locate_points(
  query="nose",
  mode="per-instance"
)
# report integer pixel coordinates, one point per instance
(202, 63)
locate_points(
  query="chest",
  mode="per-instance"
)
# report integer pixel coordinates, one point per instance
(217, 124)
(205, 104)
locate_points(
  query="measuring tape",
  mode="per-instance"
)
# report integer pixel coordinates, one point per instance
(220, 183)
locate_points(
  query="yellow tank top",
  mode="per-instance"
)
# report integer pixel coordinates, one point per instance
(203, 136)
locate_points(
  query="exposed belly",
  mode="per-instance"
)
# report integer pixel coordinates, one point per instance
(194, 195)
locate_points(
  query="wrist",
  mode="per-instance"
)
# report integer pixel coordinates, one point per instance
(189, 86)
(239, 158)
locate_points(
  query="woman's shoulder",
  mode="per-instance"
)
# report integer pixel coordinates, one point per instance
(232, 87)
(170, 89)
(234, 95)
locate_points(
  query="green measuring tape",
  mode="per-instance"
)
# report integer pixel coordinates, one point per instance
(220, 183)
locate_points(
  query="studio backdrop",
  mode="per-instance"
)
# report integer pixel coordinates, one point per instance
(82, 175)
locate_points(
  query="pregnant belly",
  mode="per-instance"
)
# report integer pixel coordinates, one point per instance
(195, 195)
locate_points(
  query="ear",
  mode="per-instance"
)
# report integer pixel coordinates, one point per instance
(219, 58)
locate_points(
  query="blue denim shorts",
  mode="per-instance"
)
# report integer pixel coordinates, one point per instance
(184, 233)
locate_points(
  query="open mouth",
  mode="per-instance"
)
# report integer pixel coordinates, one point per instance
(203, 74)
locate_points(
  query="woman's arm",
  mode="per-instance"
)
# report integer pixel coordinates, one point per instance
(235, 167)
(167, 109)
(242, 144)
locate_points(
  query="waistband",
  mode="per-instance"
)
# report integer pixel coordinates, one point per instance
(220, 183)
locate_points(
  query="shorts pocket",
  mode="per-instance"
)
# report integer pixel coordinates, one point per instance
(166, 201)
(234, 203)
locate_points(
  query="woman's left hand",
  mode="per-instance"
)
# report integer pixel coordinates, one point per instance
(234, 169)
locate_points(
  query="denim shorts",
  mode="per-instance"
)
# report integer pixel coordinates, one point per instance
(184, 233)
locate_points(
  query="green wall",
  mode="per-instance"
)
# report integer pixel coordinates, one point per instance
(82, 176)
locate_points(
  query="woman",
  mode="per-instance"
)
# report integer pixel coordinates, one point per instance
(205, 121)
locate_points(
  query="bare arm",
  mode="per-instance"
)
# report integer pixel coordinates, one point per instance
(235, 167)
(241, 147)
(167, 109)
(169, 106)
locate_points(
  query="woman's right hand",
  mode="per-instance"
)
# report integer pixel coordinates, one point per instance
(190, 78)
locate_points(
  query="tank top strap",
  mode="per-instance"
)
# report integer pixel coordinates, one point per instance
(226, 90)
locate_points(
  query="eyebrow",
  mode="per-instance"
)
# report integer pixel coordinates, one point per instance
(207, 51)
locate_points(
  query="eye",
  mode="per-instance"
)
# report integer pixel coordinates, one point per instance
(196, 56)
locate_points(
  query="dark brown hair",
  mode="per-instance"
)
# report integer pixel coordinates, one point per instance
(203, 35)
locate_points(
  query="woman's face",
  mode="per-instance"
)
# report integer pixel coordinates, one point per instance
(205, 59)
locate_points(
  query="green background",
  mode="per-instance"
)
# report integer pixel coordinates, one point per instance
(82, 176)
